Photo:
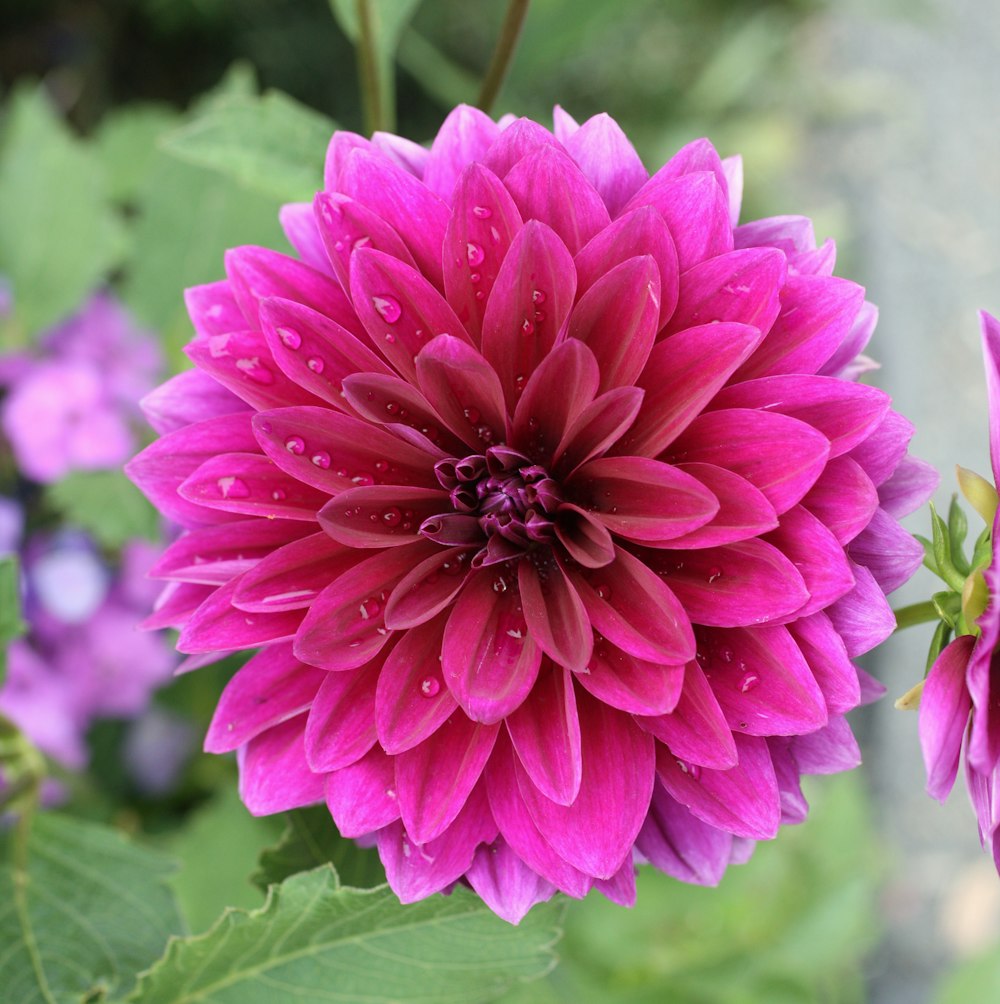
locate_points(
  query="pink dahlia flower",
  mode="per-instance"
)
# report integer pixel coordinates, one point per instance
(549, 499)
(961, 696)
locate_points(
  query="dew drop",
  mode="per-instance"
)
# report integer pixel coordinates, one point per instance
(233, 488)
(321, 459)
(316, 364)
(362, 242)
(539, 316)
(289, 338)
(369, 608)
(430, 686)
(363, 479)
(726, 653)
(482, 212)
(391, 407)
(480, 295)
(338, 246)
(603, 590)
(392, 516)
(296, 445)
(714, 573)
(388, 307)
(381, 466)
(472, 414)
(538, 296)
(390, 337)
(451, 567)
(389, 793)
(475, 254)
(528, 328)
(499, 584)
(748, 681)
(254, 370)
(475, 277)
(278, 494)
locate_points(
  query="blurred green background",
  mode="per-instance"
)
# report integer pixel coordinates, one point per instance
(103, 178)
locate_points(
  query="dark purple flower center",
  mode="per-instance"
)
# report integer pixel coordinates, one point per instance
(502, 496)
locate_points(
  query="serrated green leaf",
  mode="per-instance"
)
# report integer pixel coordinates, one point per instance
(311, 839)
(59, 235)
(270, 144)
(126, 144)
(319, 941)
(89, 911)
(105, 504)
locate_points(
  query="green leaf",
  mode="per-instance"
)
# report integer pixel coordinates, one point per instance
(315, 940)
(126, 144)
(59, 236)
(311, 839)
(11, 624)
(105, 504)
(86, 912)
(389, 18)
(271, 144)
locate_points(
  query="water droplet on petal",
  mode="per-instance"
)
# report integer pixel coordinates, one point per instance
(748, 681)
(390, 337)
(289, 338)
(363, 479)
(480, 295)
(321, 459)
(369, 608)
(603, 590)
(392, 516)
(483, 212)
(391, 407)
(538, 296)
(278, 494)
(254, 369)
(714, 573)
(430, 686)
(726, 653)
(475, 277)
(528, 328)
(388, 307)
(296, 445)
(316, 364)
(472, 414)
(499, 584)
(381, 466)
(233, 488)
(475, 254)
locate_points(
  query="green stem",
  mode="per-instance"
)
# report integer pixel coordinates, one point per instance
(916, 613)
(503, 54)
(371, 91)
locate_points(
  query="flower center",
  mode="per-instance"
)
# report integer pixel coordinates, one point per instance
(501, 499)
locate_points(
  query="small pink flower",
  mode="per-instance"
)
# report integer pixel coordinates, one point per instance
(960, 702)
(549, 499)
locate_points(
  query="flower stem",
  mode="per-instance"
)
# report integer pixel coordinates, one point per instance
(916, 613)
(503, 54)
(371, 91)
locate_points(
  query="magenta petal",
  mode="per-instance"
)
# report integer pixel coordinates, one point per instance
(528, 305)
(696, 210)
(518, 828)
(428, 589)
(215, 554)
(335, 452)
(415, 872)
(817, 312)
(609, 161)
(480, 232)
(380, 515)
(683, 373)
(545, 731)
(164, 465)
(274, 775)
(696, 730)
(252, 485)
(213, 308)
(846, 413)
(505, 883)
(299, 223)
(554, 613)
(618, 318)
(781, 456)
(790, 234)
(340, 728)
(682, 845)
(762, 682)
(743, 800)
(404, 202)
(547, 186)
(794, 807)
(990, 328)
(564, 383)
(270, 688)
(596, 833)
(744, 511)
(863, 618)
(843, 499)
(217, 626)
(630, 684)
(910, 486)
(257, 273)
(410, 156)
(345, 225)
(464, 391)
(362, 798)
(292, 576)
(399, 308)
(642, 499)
(640, 232)
(944, 714)
(888, 551)
(434, 779)
(345, 626)
(411, 701)
(342, 144)
(465, 136)
(586, 540)
(881, 453)
(620, 888)
(828, 750)
(313, 351)
(824, 650)
(741, 286)
(734, 585)
(598, 426)
(634, 609)
(175, 605)
(520, 138)
(188, 397)
(563, 124)
(817, 555)
(489, 659)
